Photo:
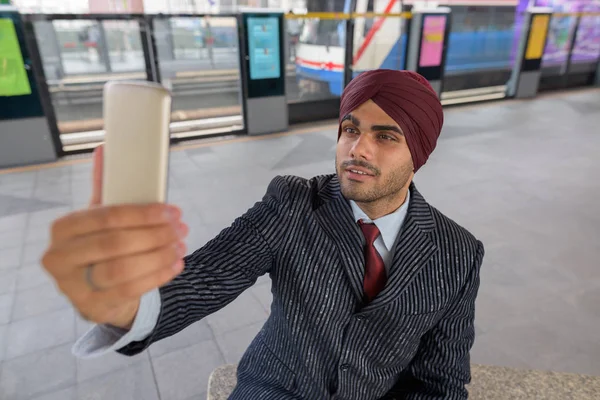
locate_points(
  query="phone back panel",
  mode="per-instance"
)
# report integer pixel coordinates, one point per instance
(136, 150)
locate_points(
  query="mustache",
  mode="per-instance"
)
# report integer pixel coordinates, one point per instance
(363, 164)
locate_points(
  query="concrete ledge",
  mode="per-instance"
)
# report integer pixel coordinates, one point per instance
(488, 383)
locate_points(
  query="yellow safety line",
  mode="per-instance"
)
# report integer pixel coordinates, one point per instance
(580, 14)
(346, 16)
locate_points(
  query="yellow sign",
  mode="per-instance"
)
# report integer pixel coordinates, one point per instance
(13, 77)
(537, 37)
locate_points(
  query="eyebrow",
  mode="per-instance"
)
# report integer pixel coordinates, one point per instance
(351, 118)
(356, 121)
(387, 128)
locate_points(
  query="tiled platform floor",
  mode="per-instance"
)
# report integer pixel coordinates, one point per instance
(523, 176)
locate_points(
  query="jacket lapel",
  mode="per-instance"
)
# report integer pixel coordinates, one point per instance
(336, 219)
(412, 250)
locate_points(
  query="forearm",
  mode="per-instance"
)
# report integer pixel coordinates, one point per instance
(214, 276)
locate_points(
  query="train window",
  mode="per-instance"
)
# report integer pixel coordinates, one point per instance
(369, 21)
(321, 33)
(478, 19)
(503, 18)
(309, 32)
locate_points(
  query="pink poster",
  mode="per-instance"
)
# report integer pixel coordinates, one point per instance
(432, 43)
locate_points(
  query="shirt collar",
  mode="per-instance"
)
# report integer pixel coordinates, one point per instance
(389, 225)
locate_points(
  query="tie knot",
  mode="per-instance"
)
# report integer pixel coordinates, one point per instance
(370, 231)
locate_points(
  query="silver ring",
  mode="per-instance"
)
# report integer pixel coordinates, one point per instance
(88, 278)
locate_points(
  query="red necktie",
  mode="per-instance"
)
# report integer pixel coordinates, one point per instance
(375, 275)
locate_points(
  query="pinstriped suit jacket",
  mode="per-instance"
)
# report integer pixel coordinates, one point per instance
(321, 341)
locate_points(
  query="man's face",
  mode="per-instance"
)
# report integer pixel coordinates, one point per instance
(373, 161)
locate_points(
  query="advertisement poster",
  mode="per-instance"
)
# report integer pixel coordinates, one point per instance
(562, 29)
(263, 40)
(432, 44)
(587, 43)
(13, 76)
(560, 34)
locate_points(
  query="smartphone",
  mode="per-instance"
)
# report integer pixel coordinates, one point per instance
(136, 149)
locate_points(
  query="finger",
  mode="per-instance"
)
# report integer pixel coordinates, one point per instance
(125, 216)
(125, 269)
(98, 161)
(104, 246)
(119, 295)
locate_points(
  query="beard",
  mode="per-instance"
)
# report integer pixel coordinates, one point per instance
(383, 185)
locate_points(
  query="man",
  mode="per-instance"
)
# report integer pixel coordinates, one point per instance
(360, 310)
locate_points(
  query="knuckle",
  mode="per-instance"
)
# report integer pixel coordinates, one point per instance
(60, 224)
(50, 262)
(168, 256)
(56, 228)
(167, 234)
(146, 214)
(46, 260)
(110, 243)
(156, 236)
(110, 217)
(150, 213)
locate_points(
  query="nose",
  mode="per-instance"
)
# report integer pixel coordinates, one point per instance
(362, 148)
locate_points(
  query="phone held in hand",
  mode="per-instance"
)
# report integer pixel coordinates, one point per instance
(136, 150)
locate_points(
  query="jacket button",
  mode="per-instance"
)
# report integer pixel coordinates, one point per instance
(344, 367)
(361, 318)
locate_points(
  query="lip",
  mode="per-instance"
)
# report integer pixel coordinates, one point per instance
(359, 177)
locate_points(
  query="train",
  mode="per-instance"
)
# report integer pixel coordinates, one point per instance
(481, 39)
(481, 45)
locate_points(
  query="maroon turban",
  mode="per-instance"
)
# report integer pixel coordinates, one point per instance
(408, 99)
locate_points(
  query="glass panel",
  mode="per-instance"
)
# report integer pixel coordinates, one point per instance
(587, 45)
(560, 35)
(50, 50)
(199, 62)
(124, 45)
(318, 60)
(379, 43)
(479, 47)
(210, 43)
(81, 45)
(77, 64)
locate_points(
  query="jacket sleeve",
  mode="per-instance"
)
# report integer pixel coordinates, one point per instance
(442, 367)
(221, 270)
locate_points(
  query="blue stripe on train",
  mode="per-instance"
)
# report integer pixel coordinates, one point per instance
(472, 50)
(333, 78)
(467, 51)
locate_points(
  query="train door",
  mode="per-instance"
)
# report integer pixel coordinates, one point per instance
(378, 41)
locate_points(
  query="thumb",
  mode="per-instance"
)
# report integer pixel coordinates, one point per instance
(98, 161)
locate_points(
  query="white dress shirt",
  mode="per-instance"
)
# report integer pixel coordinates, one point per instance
(389, 226)
(101, 339)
